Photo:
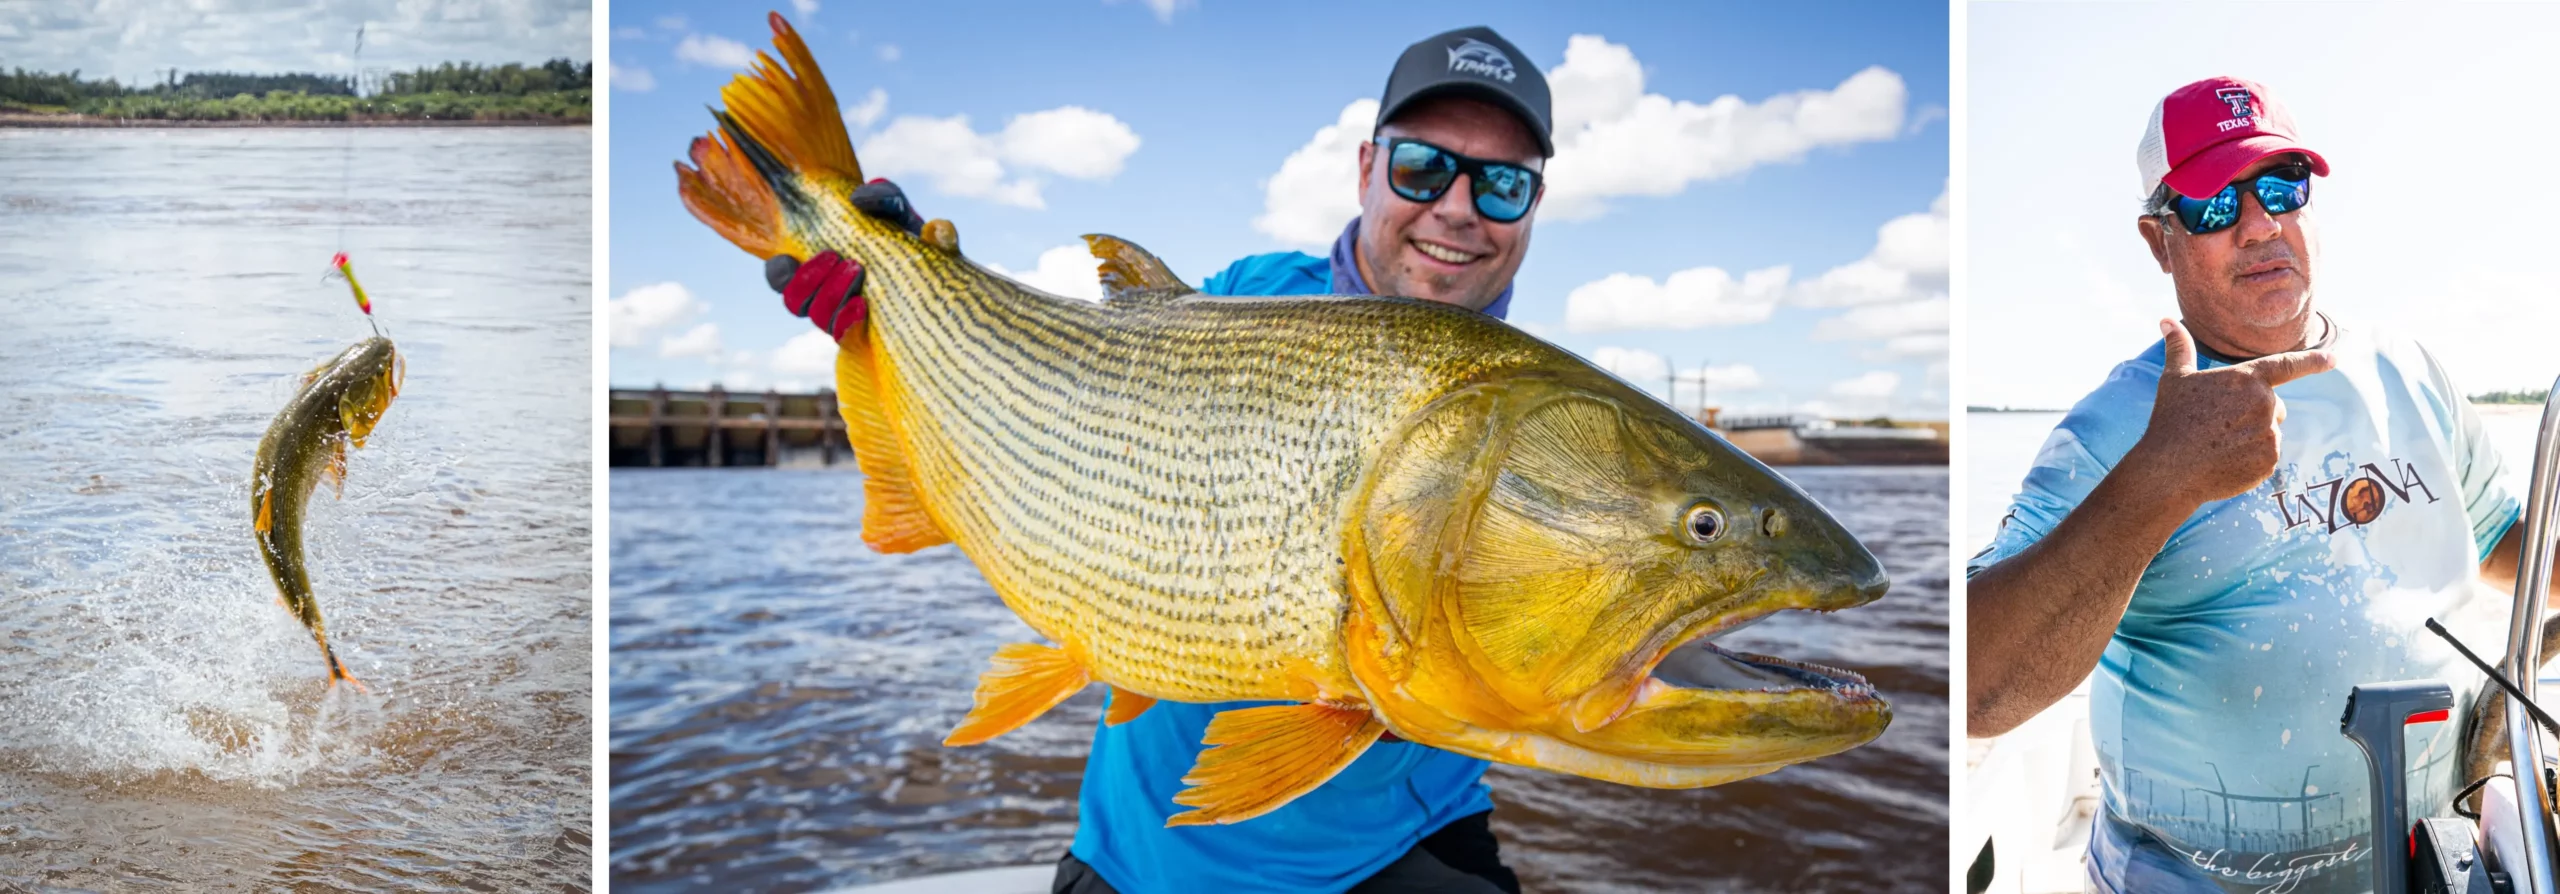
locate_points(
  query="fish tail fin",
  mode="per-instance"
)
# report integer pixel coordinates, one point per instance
(1024, 681)
(894, 515)
(780, 123)
(338, 673)
(1266, 757)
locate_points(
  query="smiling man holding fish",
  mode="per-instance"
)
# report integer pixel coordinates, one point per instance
(2237, 527)
(1313, 792)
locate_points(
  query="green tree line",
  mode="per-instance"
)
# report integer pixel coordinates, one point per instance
(554, 90)
(2512, 397)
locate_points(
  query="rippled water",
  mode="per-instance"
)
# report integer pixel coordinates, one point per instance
(162, 721)
(780, 693)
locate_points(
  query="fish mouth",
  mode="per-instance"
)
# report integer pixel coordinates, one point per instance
(1703, 665)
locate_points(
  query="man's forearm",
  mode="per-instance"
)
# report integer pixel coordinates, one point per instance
(2036, 623)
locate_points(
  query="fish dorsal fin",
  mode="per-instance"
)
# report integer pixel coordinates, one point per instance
(1131, 276)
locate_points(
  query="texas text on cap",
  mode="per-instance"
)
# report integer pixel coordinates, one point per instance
(2204, 134)
(1472, 61)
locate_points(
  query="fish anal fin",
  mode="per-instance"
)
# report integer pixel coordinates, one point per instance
(1265, 757)
(1131, 275)
(267, 513)
(1024, 681)
(894, 519)
(1126, 706)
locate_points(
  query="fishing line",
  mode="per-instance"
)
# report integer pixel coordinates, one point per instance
(339, 267)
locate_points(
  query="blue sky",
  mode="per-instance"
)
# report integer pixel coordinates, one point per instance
(1762, 136)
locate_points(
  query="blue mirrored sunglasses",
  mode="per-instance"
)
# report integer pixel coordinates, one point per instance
(1422, 172)
(2281, 191)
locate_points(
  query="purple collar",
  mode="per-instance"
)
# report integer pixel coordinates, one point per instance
(1346, 273)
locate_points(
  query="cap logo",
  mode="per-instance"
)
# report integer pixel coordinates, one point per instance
(1475, 57)
(2243, 107)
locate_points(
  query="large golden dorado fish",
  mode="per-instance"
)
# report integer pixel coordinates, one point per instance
(1396, 514)
(336, 407)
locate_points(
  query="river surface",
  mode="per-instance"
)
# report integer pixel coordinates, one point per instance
(163, 723)
(779, 696)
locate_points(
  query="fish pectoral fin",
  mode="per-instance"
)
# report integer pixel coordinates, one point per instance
(1126, 706)
(267, 514)
(1024, 681)
(337, 470)
(1268, 756)
(1131, 276)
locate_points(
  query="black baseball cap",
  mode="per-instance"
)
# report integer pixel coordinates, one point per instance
(1476, 62)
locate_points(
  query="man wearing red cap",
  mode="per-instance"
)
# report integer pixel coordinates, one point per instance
(2234, 529)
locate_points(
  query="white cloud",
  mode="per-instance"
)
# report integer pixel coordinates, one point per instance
(805, 8)
(1071, 141)
(889, 52)
(640, 312)
(673, 23)
(1647, 370)
(808, 354)
(703, 340)
(861, 115)
(1909, 261)
(1163, 9)
(1316, 192)
(632, 78)
(714, 50)
(1875, 385)
(1885, 321)
(628, 32)
(1613, 139)
(1698, 296)
(1069, 270)
(1632, 364)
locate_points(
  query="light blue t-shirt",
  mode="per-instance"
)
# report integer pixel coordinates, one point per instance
(1326, 840)
(2215, 707)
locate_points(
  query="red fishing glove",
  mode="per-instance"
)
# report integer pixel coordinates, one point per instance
(827, 288)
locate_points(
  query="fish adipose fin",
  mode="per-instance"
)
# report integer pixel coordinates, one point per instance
(1131, 276)
(781, 119)
(1126, 706)
(1025, 681)
(1265, 757)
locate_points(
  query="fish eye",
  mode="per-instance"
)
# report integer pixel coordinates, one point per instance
(1703, 524)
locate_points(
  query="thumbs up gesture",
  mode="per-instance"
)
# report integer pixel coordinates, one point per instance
(2217, 433)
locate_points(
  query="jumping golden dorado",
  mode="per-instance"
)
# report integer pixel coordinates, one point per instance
(337, 406)
(1399, 515)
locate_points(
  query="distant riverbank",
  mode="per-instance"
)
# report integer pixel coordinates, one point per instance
(77, 121)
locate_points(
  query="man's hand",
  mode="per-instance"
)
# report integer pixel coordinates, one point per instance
(827, 288)
(2215, 434)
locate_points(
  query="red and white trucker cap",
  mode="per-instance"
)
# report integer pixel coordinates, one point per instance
(2205, 133)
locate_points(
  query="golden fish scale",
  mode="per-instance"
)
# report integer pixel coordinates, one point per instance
(1162, 488)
